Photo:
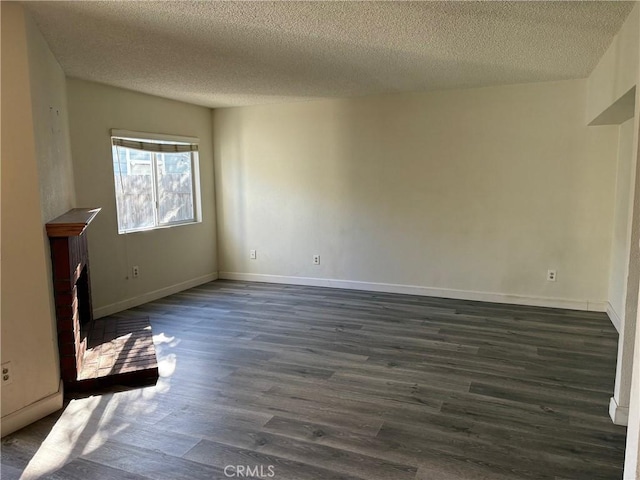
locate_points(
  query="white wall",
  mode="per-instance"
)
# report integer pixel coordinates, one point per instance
(31, 81)
(170, 259)
(621, 244)
(470, 193)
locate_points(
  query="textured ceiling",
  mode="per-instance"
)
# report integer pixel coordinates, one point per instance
(238, 53)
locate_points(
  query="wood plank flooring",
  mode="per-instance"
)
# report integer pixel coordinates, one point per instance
(303, 383)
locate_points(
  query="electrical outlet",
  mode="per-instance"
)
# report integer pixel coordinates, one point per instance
(316, 259)
(552, 275)
(135, 271)
(7, 374)
(252, 254)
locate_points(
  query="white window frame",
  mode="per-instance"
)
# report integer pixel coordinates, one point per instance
(195, 176)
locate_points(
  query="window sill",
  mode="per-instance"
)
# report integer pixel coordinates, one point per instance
(160, 227)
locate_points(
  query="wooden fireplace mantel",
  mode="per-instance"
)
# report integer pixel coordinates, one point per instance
(72, 223)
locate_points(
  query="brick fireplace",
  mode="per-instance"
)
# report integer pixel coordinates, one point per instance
(71, 287)
(93, 354)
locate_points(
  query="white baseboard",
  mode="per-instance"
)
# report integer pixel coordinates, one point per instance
(619, 414)
(616, 320)
(151, 296)
(596, 306)
(32, 413)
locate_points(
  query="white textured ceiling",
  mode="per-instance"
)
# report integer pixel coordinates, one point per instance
(238, 53)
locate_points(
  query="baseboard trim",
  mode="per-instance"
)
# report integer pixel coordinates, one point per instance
(32, 413)
(619, 414)
(151, 296)
(614, 317)
(595, 306)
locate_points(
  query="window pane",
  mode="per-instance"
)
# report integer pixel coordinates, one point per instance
(175, 187)
(153, 188)
(134, 189)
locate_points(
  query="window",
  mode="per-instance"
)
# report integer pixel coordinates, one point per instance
(156, 180)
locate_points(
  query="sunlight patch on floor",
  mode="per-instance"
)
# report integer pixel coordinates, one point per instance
(88, 423)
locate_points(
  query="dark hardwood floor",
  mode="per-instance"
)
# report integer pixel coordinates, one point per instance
(307, 383)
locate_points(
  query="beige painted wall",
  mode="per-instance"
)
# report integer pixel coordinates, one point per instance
(51, 134)
(477, 190)
(632, 453)
(51, 125)
(617, 70)
(28, 336)
(629, 347)
(168, 257)
(616, 74)
(621, 244)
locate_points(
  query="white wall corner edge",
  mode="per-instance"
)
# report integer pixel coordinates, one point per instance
(153, 295)
(33, 412)
(614, 317)
(618, 413)
(585, 305)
